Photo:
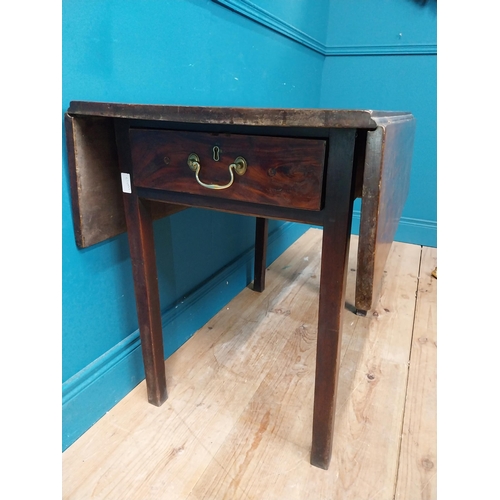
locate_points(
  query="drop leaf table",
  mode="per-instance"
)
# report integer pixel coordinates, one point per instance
(130, 164)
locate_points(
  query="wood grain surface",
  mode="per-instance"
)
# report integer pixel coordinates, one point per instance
(237, 424)
(382, 159)
(94, 180)
(386, 182)
(281, 171)
(282, 117)
(417, 477)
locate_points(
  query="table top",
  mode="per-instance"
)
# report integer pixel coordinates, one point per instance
(272, 117)
(383, 168)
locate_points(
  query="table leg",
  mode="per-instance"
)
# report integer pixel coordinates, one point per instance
(334, 259)
(142, 252)
(261, 232)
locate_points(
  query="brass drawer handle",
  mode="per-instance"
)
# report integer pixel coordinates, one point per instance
(239, 166)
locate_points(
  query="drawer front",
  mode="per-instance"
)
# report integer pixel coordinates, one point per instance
(281, 171)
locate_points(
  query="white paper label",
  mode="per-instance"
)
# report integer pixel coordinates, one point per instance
(126, 185)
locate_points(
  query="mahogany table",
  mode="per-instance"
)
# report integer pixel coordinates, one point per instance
(130, 164)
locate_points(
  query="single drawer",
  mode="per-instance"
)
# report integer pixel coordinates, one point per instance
(280, 171)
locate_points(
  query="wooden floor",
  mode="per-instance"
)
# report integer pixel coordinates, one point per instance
(237, 423)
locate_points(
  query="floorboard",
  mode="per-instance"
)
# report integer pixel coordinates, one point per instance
(417, 462)
(237, 424)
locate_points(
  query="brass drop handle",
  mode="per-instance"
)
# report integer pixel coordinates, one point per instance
(239, 166)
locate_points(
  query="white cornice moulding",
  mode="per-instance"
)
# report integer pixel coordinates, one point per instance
(264, 17)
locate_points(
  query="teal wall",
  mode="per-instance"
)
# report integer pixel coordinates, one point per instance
(199, 52)
(385, 24)
(173, 52)
(384, 57)
(306, 16)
